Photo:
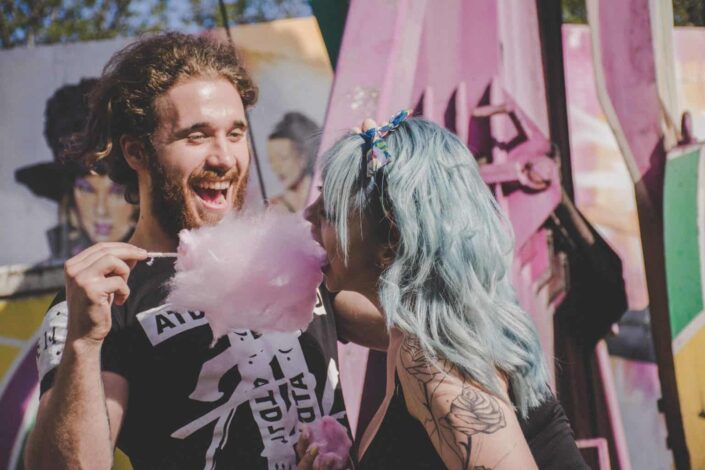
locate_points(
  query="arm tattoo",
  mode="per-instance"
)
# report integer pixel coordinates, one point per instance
(471, 411)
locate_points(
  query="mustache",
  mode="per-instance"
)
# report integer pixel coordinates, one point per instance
(209, 176)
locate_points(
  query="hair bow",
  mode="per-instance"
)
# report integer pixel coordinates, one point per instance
(377, 155)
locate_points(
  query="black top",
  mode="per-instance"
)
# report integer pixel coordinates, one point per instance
(401, 440)
(237, 404)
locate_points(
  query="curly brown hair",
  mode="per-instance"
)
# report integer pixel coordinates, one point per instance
(123, 101)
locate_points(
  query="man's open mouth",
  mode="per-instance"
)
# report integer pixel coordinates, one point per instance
(213, 194)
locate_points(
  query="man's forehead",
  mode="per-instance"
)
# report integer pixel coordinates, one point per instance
(199, 99)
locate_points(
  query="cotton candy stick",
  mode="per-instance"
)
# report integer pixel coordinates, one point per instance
(152, 255)
(159, 254)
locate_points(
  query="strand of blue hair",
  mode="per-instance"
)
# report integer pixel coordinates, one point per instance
(450, 282)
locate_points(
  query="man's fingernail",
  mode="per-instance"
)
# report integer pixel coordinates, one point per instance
(313, 451)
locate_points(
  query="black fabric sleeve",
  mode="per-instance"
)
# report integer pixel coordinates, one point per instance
(328, 298)
(51, 342)
(47, 381)
(114, 355)
(551, 439)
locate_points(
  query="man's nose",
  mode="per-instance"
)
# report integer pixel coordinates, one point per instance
(222, 153)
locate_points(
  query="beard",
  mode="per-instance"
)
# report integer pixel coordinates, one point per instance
(169, 200)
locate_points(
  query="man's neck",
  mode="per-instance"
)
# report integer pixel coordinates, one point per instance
(150, 235)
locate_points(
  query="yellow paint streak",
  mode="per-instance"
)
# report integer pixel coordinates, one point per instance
(121, 461)
(7, 357)
(690, 375)
(20, 318)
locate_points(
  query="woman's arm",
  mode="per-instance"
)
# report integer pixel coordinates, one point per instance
(469, 428)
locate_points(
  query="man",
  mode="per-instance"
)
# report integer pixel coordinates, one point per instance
(122, 368)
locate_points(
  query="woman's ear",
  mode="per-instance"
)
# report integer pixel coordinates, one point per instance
(385, 257)
(387, 251)
(134, 152)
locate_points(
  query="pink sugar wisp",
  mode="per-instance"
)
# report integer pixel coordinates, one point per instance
(251, 271)
(332, 441)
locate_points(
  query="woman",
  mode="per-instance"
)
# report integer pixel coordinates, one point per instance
(407, 221)
(92, 208)
(292, 147)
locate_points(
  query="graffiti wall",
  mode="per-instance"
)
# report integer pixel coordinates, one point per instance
(604, 193)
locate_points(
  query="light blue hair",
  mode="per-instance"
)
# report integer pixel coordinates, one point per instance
(450, 282)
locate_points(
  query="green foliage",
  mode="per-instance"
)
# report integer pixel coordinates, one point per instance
(689, 12)
(685, 12)
(206, 13)
(574, 11)
(30, 22)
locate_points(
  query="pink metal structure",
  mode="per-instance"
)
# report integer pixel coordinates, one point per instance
(477, 69)
(447, 63)
(635, 96)
(600, 446)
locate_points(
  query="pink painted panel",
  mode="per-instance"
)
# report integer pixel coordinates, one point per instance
(459, 44)
(378, 56)
(627, 59)
(405, 53)
(626, 82)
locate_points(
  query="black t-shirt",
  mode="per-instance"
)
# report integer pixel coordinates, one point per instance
(238, 403)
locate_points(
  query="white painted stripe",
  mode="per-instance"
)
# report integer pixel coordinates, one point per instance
(682, 150)
(684, 337)
(27, 422)
(13, 342)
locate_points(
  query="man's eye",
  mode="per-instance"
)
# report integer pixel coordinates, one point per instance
(236, 135)
(196, 137)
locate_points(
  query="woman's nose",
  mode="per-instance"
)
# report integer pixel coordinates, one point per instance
(101, 205)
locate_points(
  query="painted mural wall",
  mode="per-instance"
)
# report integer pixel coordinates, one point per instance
(604, 193)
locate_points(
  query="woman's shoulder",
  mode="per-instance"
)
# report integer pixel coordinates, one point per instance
(467, 424)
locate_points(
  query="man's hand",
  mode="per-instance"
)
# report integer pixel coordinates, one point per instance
(94, 279)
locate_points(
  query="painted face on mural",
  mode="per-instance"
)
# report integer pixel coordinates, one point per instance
(101, 209)
(200, 165)
(286, 161)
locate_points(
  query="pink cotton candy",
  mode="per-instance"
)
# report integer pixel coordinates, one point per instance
(251, 271)
(332, 441)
